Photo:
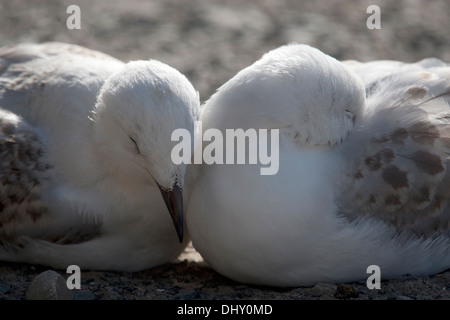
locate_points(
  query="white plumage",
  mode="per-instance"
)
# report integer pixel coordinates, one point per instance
(363, 171)
(85, 158)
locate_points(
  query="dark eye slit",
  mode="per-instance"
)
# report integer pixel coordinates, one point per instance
(135, 143)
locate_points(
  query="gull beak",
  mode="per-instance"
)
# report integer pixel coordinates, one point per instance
(174, 202)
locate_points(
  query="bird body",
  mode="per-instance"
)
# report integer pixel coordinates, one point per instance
(362, 180)
(85, 147)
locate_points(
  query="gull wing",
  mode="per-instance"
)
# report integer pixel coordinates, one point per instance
(396, 163)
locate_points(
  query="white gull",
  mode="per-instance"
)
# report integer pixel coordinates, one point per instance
(363, 178)
(86, 176)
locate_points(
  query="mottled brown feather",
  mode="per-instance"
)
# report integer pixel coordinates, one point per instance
(399, 169)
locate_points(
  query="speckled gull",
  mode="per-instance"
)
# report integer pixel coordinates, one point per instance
(363, 172)
(86, 176)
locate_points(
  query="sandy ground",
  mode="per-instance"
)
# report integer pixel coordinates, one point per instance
(209, 41)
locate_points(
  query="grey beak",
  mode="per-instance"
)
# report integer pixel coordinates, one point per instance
(174, 202)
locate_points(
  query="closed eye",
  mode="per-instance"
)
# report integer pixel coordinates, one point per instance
(350, 115)
(135, 143)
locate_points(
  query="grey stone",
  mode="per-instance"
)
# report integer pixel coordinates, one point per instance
(49, 285)
(5, 288)
(323, 290)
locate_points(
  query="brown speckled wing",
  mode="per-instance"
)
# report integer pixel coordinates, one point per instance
(398, 156)
(24, 171)
(26, 178)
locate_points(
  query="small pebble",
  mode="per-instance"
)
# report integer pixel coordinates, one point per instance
(229, 291)
(49, 285)
(187, 294)
(5, 288)
(346, 291)
(323, 290)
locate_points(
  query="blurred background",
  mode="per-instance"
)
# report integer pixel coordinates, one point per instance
(210, 41)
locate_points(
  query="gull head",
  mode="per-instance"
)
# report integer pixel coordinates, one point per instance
(136, 112)
(296, 87)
